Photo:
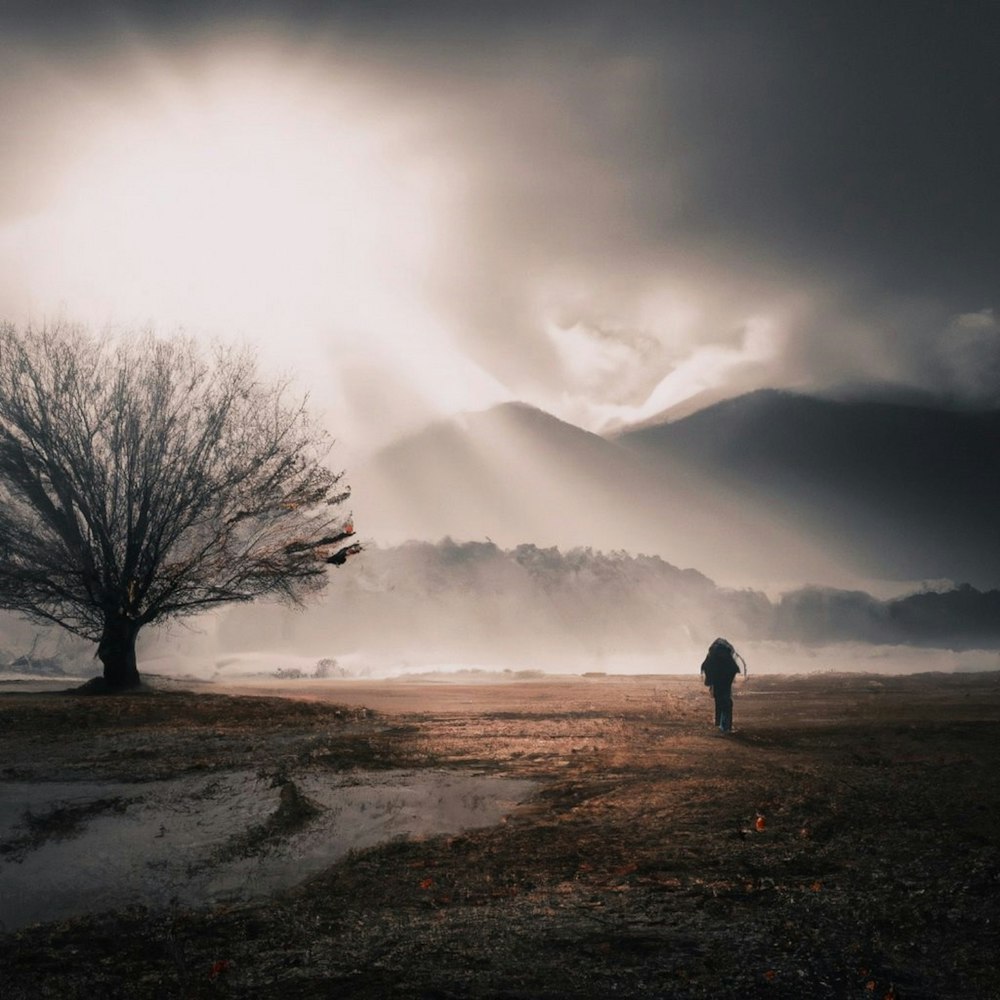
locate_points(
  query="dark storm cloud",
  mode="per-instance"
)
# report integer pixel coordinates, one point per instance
(844, 144)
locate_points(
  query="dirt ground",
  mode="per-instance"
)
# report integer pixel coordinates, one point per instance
(842, 843)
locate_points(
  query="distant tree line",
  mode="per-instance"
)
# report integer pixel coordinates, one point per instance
(959, 618)
(478, 601)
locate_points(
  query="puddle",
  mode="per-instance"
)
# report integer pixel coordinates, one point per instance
(159, 843)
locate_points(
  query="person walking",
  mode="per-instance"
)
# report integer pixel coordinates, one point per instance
(720, 669)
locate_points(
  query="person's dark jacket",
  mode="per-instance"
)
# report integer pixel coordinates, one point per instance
(720, 667)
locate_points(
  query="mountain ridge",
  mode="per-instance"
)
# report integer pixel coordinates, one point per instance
(772, 484)
(916, 484)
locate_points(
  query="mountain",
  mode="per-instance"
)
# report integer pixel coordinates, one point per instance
(514, 474)
(896, 490)
(769, 488)
(498, 472)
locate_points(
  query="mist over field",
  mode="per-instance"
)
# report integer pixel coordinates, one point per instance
(425, 606)
(450, 607)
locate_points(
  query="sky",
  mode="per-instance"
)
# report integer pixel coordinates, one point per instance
(609, 210)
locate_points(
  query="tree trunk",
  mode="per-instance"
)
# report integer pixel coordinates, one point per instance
(117, 652)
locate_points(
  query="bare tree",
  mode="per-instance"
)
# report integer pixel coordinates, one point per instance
(143, 479)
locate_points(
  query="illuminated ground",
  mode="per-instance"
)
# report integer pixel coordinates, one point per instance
(843, 843)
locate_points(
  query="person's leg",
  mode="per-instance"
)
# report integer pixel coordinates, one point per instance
(726, 717)
(724, 710)
(718, 708)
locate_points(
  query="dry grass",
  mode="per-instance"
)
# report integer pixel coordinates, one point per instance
(846, 843)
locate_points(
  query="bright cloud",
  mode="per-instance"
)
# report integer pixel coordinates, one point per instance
(292, 209)
(704, 368)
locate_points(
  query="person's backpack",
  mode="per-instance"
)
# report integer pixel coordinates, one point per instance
(722, 646)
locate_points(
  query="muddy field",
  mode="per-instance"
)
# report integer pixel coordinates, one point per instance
(843, 843)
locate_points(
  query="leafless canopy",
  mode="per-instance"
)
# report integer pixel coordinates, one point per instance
(145, 478)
